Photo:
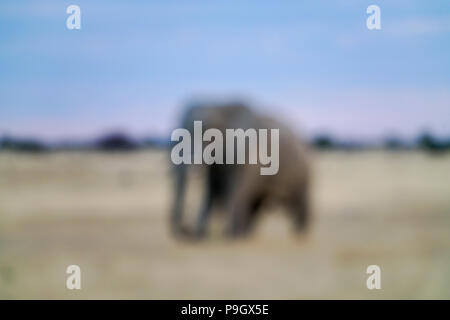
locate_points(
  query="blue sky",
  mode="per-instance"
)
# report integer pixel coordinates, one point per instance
(134, 64)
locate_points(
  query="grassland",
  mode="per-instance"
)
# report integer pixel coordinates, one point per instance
(108, 213)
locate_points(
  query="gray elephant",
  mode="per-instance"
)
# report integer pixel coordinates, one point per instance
(241, 188)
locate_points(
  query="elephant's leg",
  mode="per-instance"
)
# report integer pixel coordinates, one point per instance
(243, 204)
(255, 203)
(205, 210)
(239, 214)
(177, 211)
(203, 217)
(300, 209)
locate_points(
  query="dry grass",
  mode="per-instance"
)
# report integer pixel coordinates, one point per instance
(108, 214)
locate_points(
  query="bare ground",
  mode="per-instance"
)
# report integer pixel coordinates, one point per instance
(109, 213)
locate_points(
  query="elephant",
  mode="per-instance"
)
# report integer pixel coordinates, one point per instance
(241, 189)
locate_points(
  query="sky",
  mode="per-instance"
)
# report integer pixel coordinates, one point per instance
(134, 65)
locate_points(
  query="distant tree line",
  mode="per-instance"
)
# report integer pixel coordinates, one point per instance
(119, 141)
(115, 141)
(16, 144)
(425, 141)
